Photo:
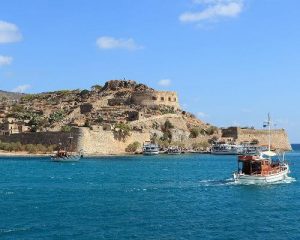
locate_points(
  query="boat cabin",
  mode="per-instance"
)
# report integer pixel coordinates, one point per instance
(254, 165)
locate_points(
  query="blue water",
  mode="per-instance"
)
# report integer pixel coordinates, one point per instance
(164, 197)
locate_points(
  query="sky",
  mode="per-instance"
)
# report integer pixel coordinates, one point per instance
(231, 61)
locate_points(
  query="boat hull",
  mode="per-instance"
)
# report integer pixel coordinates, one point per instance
(66, 159)
(258, 179)
(225, 153)
(150, 153)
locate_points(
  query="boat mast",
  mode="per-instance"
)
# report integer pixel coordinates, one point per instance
(269, 125)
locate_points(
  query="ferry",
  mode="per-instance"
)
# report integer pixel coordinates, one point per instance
(150, 149)
(261, 168)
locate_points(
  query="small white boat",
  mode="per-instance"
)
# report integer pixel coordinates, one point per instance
(150, 149)
(261, 168)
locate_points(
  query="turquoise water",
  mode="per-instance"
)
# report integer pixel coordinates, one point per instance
(164, 197)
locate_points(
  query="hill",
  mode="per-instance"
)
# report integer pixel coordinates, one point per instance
(106, 119)
(11, 95)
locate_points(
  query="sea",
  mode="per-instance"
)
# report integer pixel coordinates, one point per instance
(188, 196)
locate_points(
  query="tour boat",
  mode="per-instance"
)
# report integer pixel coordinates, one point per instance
(150, 149)
(226, 149)
(261, 168)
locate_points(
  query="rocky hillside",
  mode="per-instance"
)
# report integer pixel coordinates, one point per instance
(117, 117)
(109, 108)
(10, 95)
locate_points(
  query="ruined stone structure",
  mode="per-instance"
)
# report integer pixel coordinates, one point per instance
(156, 98)
(279, 137)
(46, 138)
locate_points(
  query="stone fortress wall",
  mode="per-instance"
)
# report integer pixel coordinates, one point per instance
(46, 138)
(279, 137)
(156, 98)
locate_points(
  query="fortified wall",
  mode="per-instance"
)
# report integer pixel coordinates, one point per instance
(279, 137)
(156, 98)
(46, 138)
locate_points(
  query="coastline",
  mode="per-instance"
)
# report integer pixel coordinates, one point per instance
(26, 154)
(23, 154)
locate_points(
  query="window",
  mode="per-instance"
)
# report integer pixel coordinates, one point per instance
(162, 99)
(154, 98)
(169, 99)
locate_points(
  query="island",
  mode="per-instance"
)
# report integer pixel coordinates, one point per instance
(113, 119)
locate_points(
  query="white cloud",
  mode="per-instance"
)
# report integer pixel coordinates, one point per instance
(213, 10)
(5, 60)
(202, 115)
(106, 42)
(21, 88)
(165, 82)
(9, 32)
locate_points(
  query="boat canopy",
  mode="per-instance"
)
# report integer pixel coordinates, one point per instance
(269, 153)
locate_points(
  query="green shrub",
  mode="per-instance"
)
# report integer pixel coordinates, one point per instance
(96, 88)
(30, 148)
(132, 147)
(122, 130)
(66, 128)
(212, 130)
(168, 125)
(99, 119)
(56, 116)
(84, 93)
(194, 132)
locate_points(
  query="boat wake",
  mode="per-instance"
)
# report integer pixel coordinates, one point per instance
(212, 182)
(13, 230)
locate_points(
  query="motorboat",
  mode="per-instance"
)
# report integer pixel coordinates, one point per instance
(262, 168)
(258, 169)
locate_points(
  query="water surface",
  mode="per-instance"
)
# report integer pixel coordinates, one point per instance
(163, 197)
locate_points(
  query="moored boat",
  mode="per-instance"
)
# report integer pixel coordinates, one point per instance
(150, 149)
(174, 151)
(226, 149)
